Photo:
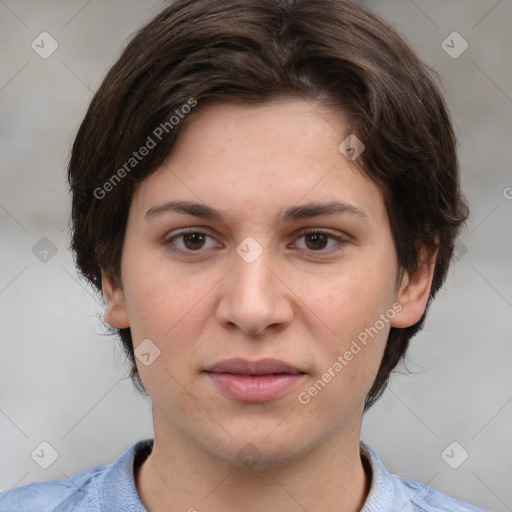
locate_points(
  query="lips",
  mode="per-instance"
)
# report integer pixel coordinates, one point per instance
(261, 367)
(254, 381)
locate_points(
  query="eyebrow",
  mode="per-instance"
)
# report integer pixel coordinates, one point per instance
(305, 211)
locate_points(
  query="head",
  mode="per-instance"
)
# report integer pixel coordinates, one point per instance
(243, 106)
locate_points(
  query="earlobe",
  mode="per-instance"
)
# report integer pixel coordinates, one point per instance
(414, 289)
(115, 310)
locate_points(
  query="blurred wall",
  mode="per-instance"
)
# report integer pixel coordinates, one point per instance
(64, 382)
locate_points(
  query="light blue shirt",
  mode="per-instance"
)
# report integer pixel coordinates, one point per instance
(111, 488)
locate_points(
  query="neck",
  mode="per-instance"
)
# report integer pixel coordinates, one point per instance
(180, 476)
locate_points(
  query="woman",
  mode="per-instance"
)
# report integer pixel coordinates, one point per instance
(266, 193)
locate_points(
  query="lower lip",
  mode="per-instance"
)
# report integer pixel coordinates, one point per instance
(255, 388)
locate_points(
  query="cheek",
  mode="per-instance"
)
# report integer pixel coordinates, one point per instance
(168, 310)
(164, 303)
(350, 298)
(352, 311)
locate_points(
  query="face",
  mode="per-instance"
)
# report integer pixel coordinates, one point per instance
(259, 281)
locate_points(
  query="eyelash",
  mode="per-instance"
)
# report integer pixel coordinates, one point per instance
(341, 241)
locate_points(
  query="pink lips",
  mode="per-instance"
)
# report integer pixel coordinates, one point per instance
(254, 381)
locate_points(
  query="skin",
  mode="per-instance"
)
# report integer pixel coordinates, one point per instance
(298, 302)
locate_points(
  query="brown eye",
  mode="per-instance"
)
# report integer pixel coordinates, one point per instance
(321, 242)
(193, 241)
(316, 241)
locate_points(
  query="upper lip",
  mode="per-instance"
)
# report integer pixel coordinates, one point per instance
(240, 366)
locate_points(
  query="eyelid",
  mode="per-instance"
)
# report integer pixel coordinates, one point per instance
(325, 231)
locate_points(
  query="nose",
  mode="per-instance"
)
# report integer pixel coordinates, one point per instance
(255, 298)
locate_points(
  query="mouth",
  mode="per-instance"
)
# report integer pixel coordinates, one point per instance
(254, 381)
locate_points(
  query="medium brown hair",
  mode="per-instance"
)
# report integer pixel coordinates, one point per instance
(335, 52)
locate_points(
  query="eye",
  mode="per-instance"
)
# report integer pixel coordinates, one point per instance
(318, 241)
(191, 241)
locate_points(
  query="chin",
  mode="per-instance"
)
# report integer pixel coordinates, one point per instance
(260, 450)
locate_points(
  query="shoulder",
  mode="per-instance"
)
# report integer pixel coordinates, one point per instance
(76, 493)
(391, 492)
(105, 488)
(427, 499)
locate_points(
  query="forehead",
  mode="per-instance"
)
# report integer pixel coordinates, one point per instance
(261, 158)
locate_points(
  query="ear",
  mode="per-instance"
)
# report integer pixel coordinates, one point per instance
(414, 289)
(115, 311)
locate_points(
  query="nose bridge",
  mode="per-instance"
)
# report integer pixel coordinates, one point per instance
(253, 297)
(251, 271)
(253, 278)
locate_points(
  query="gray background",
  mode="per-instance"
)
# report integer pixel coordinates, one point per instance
(63, 381)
